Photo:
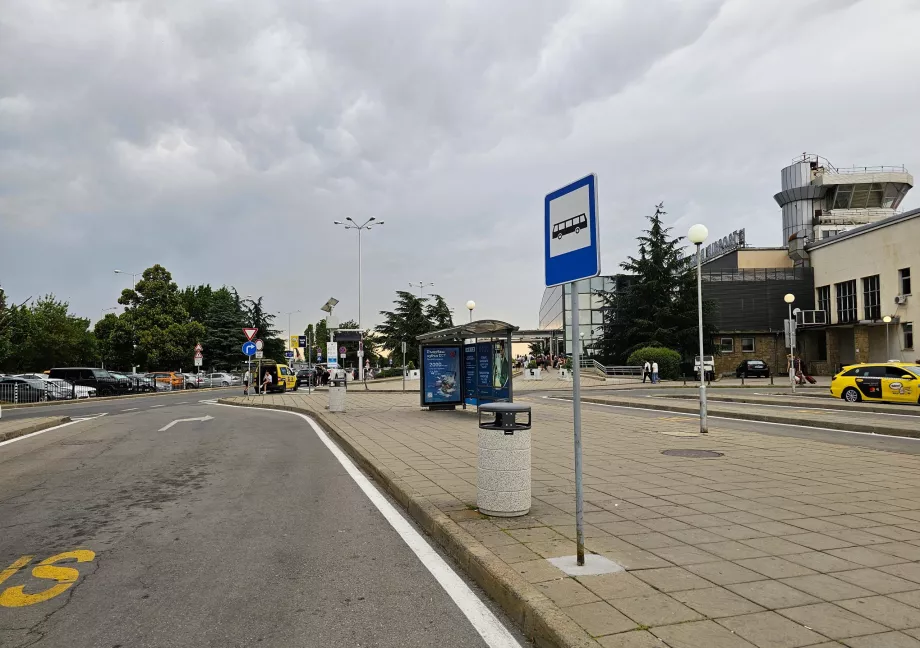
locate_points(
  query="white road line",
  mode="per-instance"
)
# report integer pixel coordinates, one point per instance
(730, 418)
(480, 616)
(183, 402)
(152, 406)
(51, 429)
(130, 409)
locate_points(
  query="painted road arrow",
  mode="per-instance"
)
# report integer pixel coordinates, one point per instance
(188, 420)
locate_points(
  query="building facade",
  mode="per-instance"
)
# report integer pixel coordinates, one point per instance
(861, 277)
(556, 310)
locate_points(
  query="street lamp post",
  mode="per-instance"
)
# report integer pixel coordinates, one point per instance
(789, 298)
(421, 285)
(887, 320)
(697, 235)
(470, 306)
(134, 276)
(368, 224)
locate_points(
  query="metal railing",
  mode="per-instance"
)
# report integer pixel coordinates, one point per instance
(612, 371)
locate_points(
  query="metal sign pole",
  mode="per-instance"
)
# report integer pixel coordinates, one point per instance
(576, 403)
(404, 365)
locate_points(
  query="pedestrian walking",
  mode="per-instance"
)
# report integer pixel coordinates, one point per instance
(266, 381)
(646, 371)
(654, 373)
(246, 378)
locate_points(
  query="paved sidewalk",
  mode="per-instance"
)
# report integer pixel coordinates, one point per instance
(779, 543)
(12, 428)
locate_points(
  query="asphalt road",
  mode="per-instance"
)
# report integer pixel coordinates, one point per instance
(859, 439)
(243, 530)
(92, 406)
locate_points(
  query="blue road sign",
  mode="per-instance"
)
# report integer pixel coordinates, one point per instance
(249, 348)
(288, 354)
(571, 239)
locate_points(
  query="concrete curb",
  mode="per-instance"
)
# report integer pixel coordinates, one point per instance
(834, 404)
(100, 399)
(881, 430)
(35, 427)
(540, 619)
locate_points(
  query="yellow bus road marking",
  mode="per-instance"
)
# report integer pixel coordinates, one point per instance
(65, 577)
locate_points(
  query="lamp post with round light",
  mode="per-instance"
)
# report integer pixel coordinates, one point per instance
(697, 235)
(470, 305)
(887, 320)
(789, 298)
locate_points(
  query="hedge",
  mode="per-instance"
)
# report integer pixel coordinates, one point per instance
(668, 361)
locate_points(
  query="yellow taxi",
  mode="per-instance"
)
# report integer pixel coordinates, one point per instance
(893, 382)
(283, 377)
(171, 378)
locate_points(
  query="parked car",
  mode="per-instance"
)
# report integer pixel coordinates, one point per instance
(222, 380)
(709, 363)
(752, 369)
(22, 390)
(171, 379)
(99, 379)
(141, 383)
(282, 376)
(124, 383)
(894, 382)
(305, 376)
(193, 381)
(57, 389)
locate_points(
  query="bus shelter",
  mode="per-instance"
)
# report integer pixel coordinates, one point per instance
(465, 365)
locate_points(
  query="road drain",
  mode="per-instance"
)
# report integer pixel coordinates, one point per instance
(695, 454)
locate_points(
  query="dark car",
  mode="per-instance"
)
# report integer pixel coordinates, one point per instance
(752, 369)
(21, 390)
(100, 379)
(304, 377)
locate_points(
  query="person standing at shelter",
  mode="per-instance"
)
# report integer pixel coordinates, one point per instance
(246, 378)
(646, 371)
(654, 373)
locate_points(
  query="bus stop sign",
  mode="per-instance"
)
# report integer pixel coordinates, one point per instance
(571, 238)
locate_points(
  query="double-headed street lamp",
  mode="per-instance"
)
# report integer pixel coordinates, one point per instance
(368, 224)
(697, 235)
(421, 285)
(134, 276)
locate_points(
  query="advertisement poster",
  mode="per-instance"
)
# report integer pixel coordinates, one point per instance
(469, 373)
(441, 371)
(484, 368)
(331, 359)
(501, 371)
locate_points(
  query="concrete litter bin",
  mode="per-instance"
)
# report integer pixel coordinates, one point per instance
(337, 390)
(503, 475)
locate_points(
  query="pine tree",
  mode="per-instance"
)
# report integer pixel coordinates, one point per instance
(438, 313)
(658, 307)
(224, 324)
(404, 324)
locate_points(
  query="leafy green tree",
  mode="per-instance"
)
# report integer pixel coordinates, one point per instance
(321, 337)
(46, 335)
(658, 307)
(404, 324)
(256, 316)
(115, 341)
(197, 300)
(224, 324)
(438, 313)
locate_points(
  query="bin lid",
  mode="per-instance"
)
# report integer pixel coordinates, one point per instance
(504, 407)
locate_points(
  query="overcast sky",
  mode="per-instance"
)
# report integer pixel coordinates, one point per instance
(221, 138)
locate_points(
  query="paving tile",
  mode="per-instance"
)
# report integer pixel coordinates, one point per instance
(910, 571)
(539, 570)
(514, 553)
(775, 546)
(650, 540)
(884, 640)
(772, 594)
(770, 630)
(876, 581)
(702, 520)
(665, 524)
(599, 619)
(694, 536)
(614, 586)
(700, 634)
(821, 562)
(684, 555)
(731, 550)
(637, 639)
(894, 533)
(826, 587)
(622, 528)
(737, 532)
(655, 610)
(716, 602)
(671, 579)
(537, 534)
(775, 567)
(884, 610)
(818, 541)
(775, 528)
(567, 591)
(911, 598)
(899, 549)
(724, 572)
(865, 556)
(832, 621)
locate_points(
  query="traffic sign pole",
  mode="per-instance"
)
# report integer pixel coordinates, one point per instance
(572, 253)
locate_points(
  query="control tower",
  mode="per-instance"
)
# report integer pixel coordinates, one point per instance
(820, 200)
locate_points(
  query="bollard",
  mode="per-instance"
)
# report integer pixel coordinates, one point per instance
(742, 380)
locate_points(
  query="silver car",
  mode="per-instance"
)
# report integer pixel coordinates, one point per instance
(222, 380)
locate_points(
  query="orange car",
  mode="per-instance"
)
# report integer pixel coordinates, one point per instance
(170, 378)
